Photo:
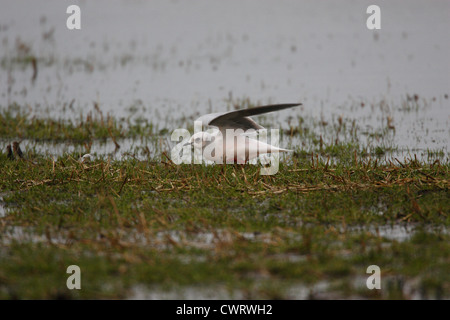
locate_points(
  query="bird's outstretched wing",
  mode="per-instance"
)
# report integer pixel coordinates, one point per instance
(240, 119)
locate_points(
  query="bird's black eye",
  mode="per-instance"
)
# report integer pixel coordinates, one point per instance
(197, 140)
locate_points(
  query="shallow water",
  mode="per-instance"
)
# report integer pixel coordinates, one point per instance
(409, 289)
(220, 292)
(172, 60)
(3, 210)
(209, 240)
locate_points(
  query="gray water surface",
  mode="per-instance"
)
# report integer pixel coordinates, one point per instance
(172, 60)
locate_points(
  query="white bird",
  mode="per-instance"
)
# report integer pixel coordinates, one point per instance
(86, 158)
(235, 126)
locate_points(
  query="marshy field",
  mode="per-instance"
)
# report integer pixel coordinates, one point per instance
(367, 182)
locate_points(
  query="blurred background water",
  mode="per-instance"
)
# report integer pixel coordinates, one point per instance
(172, 60)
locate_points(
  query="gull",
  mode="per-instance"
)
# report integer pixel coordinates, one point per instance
(86, 158)
(234, 125)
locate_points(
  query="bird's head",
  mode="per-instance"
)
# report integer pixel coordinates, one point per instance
(200, 139)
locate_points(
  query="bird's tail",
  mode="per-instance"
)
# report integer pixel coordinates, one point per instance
(282, 149)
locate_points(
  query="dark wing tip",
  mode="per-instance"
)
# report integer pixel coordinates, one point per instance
(265, 109)
(243, 113)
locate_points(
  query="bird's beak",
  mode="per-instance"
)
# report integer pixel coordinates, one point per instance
(187, 144)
